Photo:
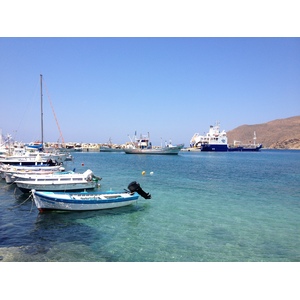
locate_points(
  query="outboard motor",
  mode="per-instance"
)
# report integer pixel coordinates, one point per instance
(135, 187)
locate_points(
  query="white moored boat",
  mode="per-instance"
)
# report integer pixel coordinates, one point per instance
(88, 200)
(61, 181)
(12, 173)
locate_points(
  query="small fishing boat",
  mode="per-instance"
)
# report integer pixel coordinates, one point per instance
(110, 147)
(12, 173)
(25, 156)
(88, 200)
(143, 145)
(38, 166)
(60, 181)
(22, 157)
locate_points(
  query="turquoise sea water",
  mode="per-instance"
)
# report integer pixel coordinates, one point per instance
(205, 207)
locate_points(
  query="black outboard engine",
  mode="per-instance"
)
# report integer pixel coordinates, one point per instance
(135, 187)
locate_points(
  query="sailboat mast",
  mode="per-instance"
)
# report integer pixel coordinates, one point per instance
(42, 125)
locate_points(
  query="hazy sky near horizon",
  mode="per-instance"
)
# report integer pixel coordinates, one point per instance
(103, 88)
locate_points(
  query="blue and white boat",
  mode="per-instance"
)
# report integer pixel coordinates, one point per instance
(214, 140)
(88, 200)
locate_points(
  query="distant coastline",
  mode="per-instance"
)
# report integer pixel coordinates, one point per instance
(277, 134)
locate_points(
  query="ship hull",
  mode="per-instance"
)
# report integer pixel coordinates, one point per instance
(173, 150)
(245, 148)
(214, 148)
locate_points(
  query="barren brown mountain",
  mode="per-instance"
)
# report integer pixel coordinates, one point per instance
(277, 134)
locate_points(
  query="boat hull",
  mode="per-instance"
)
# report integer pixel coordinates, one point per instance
(12, 177)
(245, 148)
(12, 174)
(21, 161)
(111, 150)
(225, 148)
(83, 201)
(27, 186)
(214, 148)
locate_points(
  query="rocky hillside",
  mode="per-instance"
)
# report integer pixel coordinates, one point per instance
(277, 134)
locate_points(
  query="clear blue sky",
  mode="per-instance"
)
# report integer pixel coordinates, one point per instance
(105, 88)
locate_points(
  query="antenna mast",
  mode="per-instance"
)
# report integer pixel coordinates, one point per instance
(42, 125)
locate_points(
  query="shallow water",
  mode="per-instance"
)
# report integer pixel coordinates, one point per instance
(205, 207)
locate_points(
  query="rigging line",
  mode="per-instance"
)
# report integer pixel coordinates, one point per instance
(32, 201)
(60, 132)
(28, 110)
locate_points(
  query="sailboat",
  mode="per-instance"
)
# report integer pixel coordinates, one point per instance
(60, 157)
(35, 156)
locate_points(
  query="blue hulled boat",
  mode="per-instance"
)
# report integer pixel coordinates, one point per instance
(216, 141)
(71, 201)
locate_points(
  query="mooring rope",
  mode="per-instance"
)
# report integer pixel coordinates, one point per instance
(29, 197)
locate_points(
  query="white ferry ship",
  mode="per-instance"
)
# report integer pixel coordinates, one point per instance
(216, 140)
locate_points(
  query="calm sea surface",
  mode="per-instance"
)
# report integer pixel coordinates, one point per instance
(205, 207)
